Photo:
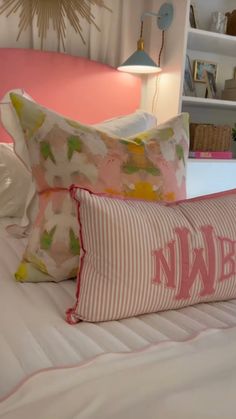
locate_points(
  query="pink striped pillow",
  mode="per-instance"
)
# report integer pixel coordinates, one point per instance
(141, 257)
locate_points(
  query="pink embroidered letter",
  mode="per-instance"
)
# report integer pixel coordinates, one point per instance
(227, 259)
(161, 262)
(205, 269)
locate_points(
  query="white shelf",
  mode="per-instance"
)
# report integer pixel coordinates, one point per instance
(200, 40)
(208, 103)
(206, 176)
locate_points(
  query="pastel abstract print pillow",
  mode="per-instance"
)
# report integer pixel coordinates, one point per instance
(122, 125)
(142, 257)
(149, 165)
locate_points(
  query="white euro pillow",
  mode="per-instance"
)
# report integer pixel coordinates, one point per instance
(128, 125)
(15, 183)
(11, 124)
(24, 206)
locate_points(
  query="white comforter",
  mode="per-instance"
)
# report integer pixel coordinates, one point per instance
(190, 380)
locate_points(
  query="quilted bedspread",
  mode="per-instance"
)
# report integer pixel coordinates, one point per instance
(188, 380)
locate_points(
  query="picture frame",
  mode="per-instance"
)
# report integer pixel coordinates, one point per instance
(200, 66)
(211, 84)
(189, 87)
(234, 73)
(192, 17)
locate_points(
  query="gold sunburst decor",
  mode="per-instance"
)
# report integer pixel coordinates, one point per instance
(52, 11)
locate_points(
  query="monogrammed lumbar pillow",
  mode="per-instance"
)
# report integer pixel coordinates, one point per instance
(141, 257)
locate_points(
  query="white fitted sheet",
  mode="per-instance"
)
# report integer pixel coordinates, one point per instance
(34, 334)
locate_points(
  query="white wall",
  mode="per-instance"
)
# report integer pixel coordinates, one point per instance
(161, 94)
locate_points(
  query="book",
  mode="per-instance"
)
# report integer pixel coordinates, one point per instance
(211, 154)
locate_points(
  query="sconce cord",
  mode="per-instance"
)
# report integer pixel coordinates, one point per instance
(162, 46)
(162, 42)
(141, 30)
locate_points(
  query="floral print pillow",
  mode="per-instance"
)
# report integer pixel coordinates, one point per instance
(150, 166)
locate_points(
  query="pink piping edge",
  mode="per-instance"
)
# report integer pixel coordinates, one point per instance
(71, 315)
(83, 364)
(214, 195)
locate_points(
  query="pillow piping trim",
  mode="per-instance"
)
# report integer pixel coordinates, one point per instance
(72, 189)
(71, 316)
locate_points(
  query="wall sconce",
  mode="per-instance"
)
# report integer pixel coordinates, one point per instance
(139, 61)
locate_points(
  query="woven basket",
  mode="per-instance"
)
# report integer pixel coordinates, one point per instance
(208, 137)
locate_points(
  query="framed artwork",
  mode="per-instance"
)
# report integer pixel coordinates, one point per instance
(189, 88)
(200, 67)
(211, 84)
(192, 17)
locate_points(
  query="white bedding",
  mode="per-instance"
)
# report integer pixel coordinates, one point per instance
(35, 336)
(147, 384)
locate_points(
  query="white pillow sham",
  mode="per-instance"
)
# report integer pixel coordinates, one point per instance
(128, 125)
(15, 183)
(29, 201)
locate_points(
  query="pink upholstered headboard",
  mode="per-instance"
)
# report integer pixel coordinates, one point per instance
(76, 87)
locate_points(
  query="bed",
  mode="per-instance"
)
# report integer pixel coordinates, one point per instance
(121, 369)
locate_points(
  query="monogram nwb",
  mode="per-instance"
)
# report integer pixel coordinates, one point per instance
(195, 262)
